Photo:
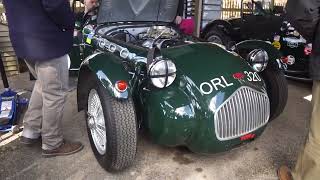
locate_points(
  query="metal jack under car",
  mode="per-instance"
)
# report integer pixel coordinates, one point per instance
(138, 71)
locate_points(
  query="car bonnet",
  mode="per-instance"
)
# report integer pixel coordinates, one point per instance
(137, 10)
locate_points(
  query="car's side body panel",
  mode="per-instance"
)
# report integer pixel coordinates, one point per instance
(104, 68)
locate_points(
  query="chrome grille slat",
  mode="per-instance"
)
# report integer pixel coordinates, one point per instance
(243, 112)
(254, 105)
(229, 116)
(234, 125)
(255, 118)
(246, 111)
(257, 121)
(260, 111)
(238, 112)
(223, 120)
(250, 110)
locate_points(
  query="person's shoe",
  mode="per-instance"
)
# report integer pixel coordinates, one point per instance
(66, 148)
(284, 173)
(29, 141)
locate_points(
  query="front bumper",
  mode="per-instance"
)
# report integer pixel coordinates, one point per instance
(239, 119)
(226, 122)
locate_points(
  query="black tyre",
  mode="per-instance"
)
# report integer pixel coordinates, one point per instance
(277, 88)
(116, 147)
(217, 36)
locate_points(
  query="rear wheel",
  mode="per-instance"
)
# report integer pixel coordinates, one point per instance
(217, 36)
(277, 88)
(112, 129)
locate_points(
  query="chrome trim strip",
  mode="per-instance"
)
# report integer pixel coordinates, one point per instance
(86, 60)
(124, 52)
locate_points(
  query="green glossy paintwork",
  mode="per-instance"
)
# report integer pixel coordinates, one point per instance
(179, 114)
(108, 70)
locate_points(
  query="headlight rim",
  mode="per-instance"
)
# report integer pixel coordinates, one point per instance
(167, 74)
(251, 58)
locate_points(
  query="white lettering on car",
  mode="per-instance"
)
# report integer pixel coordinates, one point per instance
(226, 83)
(216, 83)
(202, 89)
(252, 76)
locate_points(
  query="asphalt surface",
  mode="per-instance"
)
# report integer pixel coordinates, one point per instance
(258, 160)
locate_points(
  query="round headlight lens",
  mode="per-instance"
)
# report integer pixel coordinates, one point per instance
(258, 59)
(162, 73)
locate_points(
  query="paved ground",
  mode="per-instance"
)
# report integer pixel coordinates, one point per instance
(258, 160)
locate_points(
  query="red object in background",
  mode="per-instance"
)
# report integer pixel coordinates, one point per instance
(187, 26)
(238, 75)
(284, 60)
(121, 85)
(247, 137)
(308, 49)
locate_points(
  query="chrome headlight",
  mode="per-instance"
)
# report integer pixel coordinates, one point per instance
(162, 73)
(258, 59)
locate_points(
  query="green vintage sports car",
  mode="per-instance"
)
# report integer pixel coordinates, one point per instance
(138, 71)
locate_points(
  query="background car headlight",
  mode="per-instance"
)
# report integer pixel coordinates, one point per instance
(258, 59)
(162, 73)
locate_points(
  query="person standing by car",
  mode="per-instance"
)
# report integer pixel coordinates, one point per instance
(41, 32)
(304, 15)
(88, 6)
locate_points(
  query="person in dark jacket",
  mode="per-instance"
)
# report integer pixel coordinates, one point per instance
(304, 15)
(41, 32)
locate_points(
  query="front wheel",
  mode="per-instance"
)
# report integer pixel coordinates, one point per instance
(277, 89)
(112, 129)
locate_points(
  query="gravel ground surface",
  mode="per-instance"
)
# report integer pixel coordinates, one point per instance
(258, 160)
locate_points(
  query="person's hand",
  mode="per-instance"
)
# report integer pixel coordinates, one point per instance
(178, 20)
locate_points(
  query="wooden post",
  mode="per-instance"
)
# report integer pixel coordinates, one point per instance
(198, 16)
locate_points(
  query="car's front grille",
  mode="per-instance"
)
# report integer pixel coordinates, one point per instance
(243, 112)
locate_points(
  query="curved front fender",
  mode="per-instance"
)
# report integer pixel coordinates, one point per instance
(248, 45)
(102, 68)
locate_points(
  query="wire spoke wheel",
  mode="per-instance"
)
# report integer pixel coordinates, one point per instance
(112, 128)
(96, 122)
